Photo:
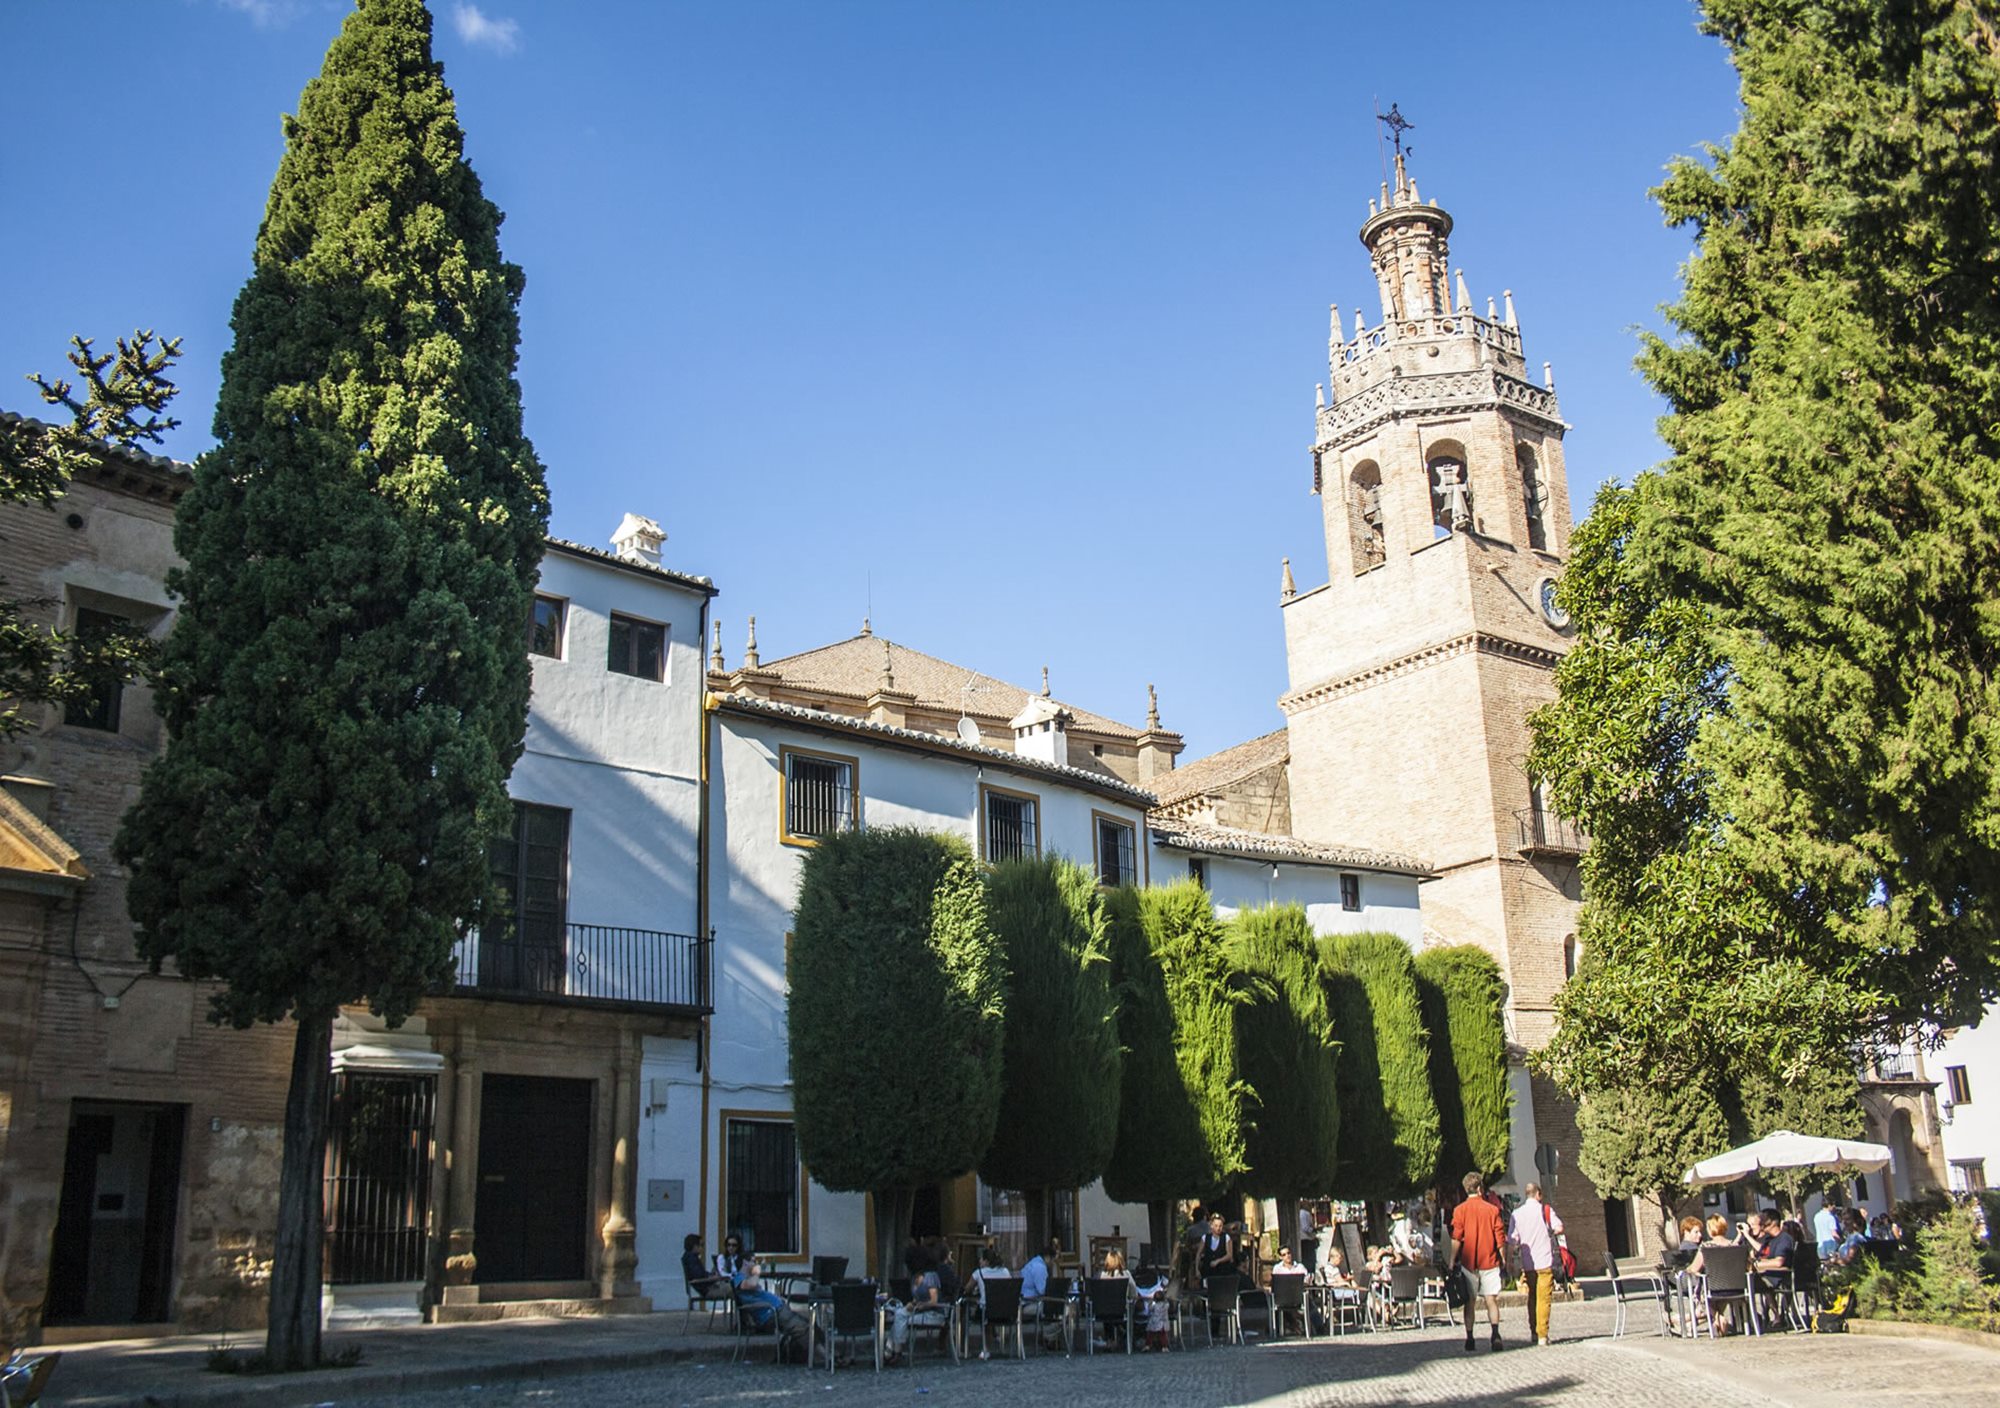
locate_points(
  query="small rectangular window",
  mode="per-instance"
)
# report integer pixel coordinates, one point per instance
(1011, 833)
(545, 626)
(1350, 893)
(102, 707)
(1959, 1085)
(820, 796)
(1117, 851)
(1968, 1175)
(638, 648)
(762, 1204)
(1198, 871)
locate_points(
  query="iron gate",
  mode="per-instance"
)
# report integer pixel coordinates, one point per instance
(378, 1177)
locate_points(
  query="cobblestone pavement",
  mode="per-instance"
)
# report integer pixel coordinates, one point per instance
(1408, 1367)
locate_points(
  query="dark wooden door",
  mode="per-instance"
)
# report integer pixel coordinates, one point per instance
(533, 1211)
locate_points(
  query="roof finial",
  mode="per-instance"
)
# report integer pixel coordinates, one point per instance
(1464, 298)
(867, 628)
(888, 670)
(1319, 394)
(1152, 707)
(1491, 315)
(715, 652)
(1508, 295)
(1287, 588)
(1548, 376)
(1045, 681)
(750, 647)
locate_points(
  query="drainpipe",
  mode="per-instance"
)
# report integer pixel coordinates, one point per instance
(703, 930)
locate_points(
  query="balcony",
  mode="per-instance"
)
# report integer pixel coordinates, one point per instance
(1892, 1066)
(594, 965)
(1541, 833)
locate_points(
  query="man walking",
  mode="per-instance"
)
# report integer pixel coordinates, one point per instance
(1479, 1233)
(1533, 1233)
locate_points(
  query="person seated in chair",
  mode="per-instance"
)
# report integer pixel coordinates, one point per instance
(1035, 1276)
(700, 1281)
(762, 1304)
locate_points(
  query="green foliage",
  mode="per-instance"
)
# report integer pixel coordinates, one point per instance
(1639, 1140)
(1464, 1011)
(1287, 1051)
(122, 407)
(1945, 1281)
(898, 989)
(1389, 1139)
(1824, 539)
(1181, 1114)
(345, 687)
(1822, 1100)
(1063, 1069)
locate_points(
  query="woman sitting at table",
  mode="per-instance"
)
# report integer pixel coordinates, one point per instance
(926, 1308)
(1691, 1230)
(1854, 1235)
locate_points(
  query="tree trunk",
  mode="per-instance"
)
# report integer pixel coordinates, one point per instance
(893, 1208)
(291, 1339)
(1036, 1203)
(1288, 1226)
(1160, 1230)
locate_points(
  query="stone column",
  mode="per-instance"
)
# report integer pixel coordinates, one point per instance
(462, 1158)
(617, 1274)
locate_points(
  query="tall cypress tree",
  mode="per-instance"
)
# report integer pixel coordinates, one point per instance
(345, 687)
(1061, 1076)
(1288, 1052)
(1180, 1119)
(1464, 1005)
(1389, 1120)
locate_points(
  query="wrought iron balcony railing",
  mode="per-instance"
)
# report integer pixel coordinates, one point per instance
(592, 965)
(1542, 832)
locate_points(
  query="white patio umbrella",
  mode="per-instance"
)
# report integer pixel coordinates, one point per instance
(1789, 1152)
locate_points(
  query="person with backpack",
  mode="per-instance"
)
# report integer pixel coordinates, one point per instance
(1533, 1232)
(1479, 1234)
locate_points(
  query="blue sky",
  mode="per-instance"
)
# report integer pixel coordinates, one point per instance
(1008, 315)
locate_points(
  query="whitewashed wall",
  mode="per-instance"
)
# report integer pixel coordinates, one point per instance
(1972, 1128)
(754, 887)
(624, 755)
(1388, 902)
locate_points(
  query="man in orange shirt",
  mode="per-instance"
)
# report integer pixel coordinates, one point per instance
(1477, 1228)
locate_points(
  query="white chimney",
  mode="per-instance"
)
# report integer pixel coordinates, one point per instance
(638, 539)
(1041, 730)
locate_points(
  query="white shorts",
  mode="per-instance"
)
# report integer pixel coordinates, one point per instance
(1481, 1283)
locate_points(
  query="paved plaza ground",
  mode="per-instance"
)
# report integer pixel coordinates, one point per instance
(1404, 1367)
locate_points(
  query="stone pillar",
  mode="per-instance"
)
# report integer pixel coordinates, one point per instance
(460, 1262)
(618, 1270)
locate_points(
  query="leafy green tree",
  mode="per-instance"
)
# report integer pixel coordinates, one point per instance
(1285, 1040)
(1064, 1069)
(1464, 1005)
(1823, 1101)
(121, 408)
(345, 688)
(895, 1019)
(1825, 524)
(1389, 1119)
(1181, 1113)
(1640, 1140)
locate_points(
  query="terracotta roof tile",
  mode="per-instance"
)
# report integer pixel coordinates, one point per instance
(1255, 845)
(1218, 770)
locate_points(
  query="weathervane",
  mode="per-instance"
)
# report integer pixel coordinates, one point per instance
(1397, 125)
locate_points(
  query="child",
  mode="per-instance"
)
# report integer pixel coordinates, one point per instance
(1152, 1293)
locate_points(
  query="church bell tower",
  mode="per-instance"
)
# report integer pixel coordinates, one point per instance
(1438, 461)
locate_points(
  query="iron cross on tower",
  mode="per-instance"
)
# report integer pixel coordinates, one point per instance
(1397, 125)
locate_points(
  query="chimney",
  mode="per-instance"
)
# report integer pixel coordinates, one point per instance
(638, 540)
(1041, 730)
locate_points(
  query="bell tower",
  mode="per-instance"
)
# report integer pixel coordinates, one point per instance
(1412, 671)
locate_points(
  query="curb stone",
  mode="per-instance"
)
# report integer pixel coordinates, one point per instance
(1909, 1330)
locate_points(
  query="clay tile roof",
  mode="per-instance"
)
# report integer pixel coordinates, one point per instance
(166, 464)
(1255, 845)
(683, 579)
(1218, 770)
(853, 667)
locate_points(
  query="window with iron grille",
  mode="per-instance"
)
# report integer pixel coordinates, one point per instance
(637, 648)
(101, 708)
(1198, 871)
(762, 1202)
(1350, 892)
(1959, 1085)
(378, 1177)
(1010, 825)
(820, 796)
(545, 626)
(1117, 851)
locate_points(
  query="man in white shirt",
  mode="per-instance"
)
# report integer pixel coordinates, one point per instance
(1308, 1238)
(1532, 1232)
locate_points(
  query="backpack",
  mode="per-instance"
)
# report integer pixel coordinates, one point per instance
(1565, 1258)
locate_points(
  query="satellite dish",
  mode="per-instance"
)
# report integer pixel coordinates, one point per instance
(968, 731)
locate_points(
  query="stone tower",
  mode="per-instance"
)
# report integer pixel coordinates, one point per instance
(1439, 467)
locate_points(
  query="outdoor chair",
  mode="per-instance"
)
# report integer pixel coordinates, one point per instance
(1052, 1307)
(828, 1269)
(747, 1329)
(1156, 1276)
(1646, 1286)
(1344, 1307)
(1218, 1301)
(1802, 1288)
(1109, 1302)
(1406, 1287)
(1002, 1310)
(1288, 1297)
(717, 1304)
(1726, 1277)
(849, 1316)
(25, 1375)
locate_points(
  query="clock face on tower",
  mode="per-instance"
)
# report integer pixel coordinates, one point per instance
(1545, 595)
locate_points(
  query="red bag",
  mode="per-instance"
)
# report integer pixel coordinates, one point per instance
(1565, 1258)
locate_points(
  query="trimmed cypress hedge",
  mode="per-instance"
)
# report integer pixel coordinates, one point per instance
(1180, 1121)
(1389, 1133)
(1464, 1000)
(1287, 1052)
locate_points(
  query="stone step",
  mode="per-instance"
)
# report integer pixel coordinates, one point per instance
(568, 1308)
